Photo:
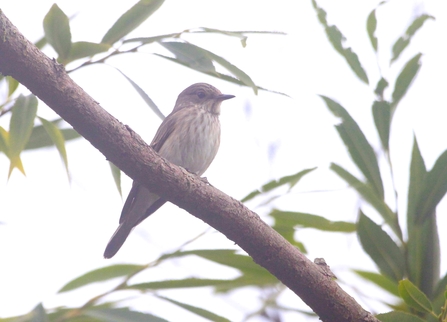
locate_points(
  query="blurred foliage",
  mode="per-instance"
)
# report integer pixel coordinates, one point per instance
(407, 256)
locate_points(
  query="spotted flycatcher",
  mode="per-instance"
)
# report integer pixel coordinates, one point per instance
(188, 137)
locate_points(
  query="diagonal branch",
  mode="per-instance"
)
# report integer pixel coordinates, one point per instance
(49, 81)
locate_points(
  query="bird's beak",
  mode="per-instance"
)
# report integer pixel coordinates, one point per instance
(224, 97)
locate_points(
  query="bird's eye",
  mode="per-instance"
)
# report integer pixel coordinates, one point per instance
(201, 94)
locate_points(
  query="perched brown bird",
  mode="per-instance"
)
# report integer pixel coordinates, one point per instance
(188, 137)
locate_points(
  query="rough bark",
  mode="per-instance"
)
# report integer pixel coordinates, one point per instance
(48, 80)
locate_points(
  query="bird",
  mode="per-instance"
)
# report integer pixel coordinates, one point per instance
(188, 137)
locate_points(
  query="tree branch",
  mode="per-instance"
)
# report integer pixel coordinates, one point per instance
(48, 80)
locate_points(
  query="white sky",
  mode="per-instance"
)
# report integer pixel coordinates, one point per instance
(53, 232)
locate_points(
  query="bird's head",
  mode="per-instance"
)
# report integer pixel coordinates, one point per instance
(203, 96)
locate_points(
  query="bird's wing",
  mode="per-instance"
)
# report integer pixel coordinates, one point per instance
(164, 131)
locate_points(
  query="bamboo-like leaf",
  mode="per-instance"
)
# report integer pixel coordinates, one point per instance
(291, 180)
(202, 60)
(398, 316)
(4, 141)
(12, 85)
(382, 84)
(382, 119)
(197, 310)
(358, 146)
(380, 280)
(300, 219)
(336, 38)
(174, 284)
(100, 275)
(366, 191)
(20, 128)
(435, 188)
(144, 96)
(150, 40)
(404, 40)
(116, 173)
(405, 79)
(371, 25)
(83, 49)
(39, 314)
(131, 19)
(57, 31)
(122, 315)
(413, 297)
(381, 248)
(58, 139)
(39, 137)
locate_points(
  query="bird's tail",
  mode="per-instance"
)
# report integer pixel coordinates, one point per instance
(117, 240)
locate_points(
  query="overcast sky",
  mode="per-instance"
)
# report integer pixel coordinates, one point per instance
(54, 231)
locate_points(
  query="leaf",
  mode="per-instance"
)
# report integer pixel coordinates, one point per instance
(57, 31)
(83, 49)
(202, 60)
(131, 19)
(39, 314)
(4, 141)
(434, 189)
(404, 40)
(100, 275)
(116, 173)
(359, 148)
(173, 284)
(291, 219)
(382, 84)
(41, 139)
(381, 248)
(382, 119)
(57, 138)
(398, 316)
(196, 310)
(423, 249)
(336, 38)
(413, 297)
(291, 180)
(122, 315)
(380, 280)
(20, 128)
(150, 40)
(371, 25)
(366, 191)
(405, 79)
(144, 96)
(12, 85)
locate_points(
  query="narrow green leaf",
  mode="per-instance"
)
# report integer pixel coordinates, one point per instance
(371, 25)
(380, 280)
(195, 57)
(382, 84)
(358, 146)
(291, 180)
(413, 297)
(336, 38)
(150, 40)
(398, 316)
(122, 315)
(100, 275)
(41, 42)
(434, 189)
(366, 191)
(20, 128)
(58, 139)
(423, 249)
(196, 310)
(405, 79)
(12, 85)
(173, 284)
(144, 96)
(4, 141)
(381, 248)
(382, 119)
(131, 19)
(116, 173)
(57, 31)
(202, 60)
(311, 221)
(404, 40)
(83, 49)
(42, 139)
